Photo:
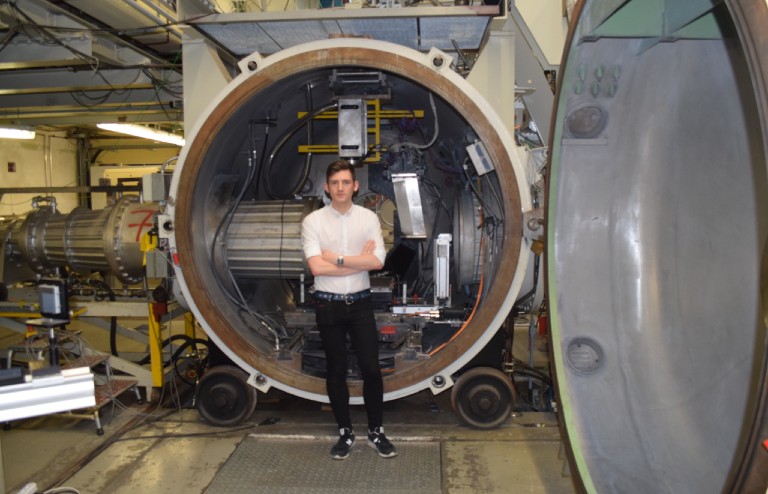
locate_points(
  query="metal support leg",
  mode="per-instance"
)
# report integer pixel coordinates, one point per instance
(155, 350)
(138, 395)
(189, 325)
(97, 419)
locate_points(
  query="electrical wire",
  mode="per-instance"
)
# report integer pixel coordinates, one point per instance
(84, 348)
(492, 222)
(396, 148)
(266, 322)
(47, 37)
(471, 185)
(93, 62)
(499, 204)
(279, 145)
(119, 32)
(73, 346)
(112, 320)
(216, 433)
(8, 37)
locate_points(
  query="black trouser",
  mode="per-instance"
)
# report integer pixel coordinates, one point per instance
(336, 320)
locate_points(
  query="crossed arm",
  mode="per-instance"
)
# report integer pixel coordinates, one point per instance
(325, 264)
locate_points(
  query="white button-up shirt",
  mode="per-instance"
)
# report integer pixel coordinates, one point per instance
(346, 234)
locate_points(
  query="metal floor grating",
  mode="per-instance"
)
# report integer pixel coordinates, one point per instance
(301, 466)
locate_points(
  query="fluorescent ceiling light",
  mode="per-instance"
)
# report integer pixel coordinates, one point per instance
(145, 132)
(16, 133)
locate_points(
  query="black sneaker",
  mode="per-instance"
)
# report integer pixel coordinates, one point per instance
(340, 450)
(378, 441)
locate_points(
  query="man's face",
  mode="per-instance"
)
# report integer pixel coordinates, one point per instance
(341, 187)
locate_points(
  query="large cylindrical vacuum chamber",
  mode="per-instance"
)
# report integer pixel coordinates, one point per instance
(254, 166)
(657, 225)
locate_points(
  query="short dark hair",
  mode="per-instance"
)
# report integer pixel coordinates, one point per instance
(339, 166)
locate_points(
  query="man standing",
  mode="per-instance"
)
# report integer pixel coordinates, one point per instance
(342, 242)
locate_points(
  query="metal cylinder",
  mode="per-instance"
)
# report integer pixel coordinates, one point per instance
(32, 238)
(467, 222)
(85, 240)
(10, 229)
(264, 239)
(127, 223)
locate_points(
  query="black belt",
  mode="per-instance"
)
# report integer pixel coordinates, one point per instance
(349, 298)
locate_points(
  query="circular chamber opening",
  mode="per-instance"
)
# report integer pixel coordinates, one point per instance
(256, 167)
(656, 235)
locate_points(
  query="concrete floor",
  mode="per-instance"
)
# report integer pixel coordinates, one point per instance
(166, 450)
(147, 448)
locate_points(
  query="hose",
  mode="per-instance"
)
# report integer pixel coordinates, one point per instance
(279, 145)
(188, 342)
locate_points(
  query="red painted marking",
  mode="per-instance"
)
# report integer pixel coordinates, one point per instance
(175, 256)
(144, 222)
(388, 329)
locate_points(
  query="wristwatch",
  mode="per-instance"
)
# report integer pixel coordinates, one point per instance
(340, 261)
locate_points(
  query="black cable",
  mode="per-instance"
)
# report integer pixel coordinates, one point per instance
(258, 171)
(279, 145)
(217, 432)
(53, 40)
(228, 215)
(530, 293)
(189, 434)
(113, 319)
(8, 37)
(475, 191)
(94, 63)
(439, 197)
(164, 85)
(310, 134)
(496, 196)
(200, 364)
(188, 341)
(192, 344)
(530, 372)
(222, 228)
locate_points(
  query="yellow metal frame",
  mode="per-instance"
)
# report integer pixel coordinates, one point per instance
(148, 243)
(155, 349)
(375, 113)
(189, 325)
